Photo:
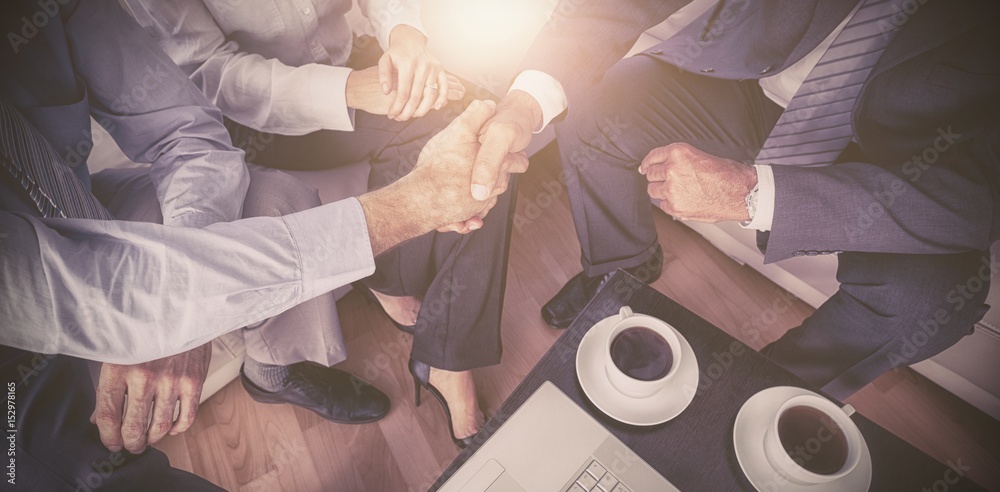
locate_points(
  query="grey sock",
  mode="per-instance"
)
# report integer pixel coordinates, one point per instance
(267, 377)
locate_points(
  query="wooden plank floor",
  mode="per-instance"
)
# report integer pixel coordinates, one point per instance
(244, 446)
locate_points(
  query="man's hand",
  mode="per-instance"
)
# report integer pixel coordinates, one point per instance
(694, 185)
(447, 161)
(506, 133)
(412, 77)
(156, 386)
(436, 193)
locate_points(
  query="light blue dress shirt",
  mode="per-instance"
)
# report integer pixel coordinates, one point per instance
(127, 292)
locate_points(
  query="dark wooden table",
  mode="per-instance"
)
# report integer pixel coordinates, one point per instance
(695, 450)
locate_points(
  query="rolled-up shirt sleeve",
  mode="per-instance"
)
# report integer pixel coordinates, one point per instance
(157, 115)
(128, 292)
(258, 92)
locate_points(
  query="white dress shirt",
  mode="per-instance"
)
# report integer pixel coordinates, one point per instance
(275, 66)
(780, 88)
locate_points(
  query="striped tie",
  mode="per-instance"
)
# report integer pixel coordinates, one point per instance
(49, 182)
(816, 126)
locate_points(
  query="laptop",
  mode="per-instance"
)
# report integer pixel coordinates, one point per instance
(551, 444)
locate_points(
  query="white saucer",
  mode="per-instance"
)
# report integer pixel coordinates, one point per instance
(748, 440)
(666, 404)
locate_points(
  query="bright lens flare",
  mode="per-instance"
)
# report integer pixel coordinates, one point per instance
(484, 36)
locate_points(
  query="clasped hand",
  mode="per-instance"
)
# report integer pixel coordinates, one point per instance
(695, 185)
(446, 164)
(408, 81)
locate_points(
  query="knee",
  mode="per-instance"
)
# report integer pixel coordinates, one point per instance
(128, 194)
(274, 193)
(603, 122)
(940, 301)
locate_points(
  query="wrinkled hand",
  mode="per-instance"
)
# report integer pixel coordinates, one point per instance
(446, 163)
(694, 185)
(506, 133)
(156, 386)
(364, 92)
(408, 74)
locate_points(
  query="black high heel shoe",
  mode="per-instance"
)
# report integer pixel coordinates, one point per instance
(421, 377)
(360, 287)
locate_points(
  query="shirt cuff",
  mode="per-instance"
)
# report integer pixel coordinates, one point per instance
(765, 199)
(333, 246)
(546, 90)
(328, 88)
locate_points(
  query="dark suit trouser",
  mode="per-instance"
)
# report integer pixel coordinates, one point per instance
(882, 317)
(58, 449)
(461, 278)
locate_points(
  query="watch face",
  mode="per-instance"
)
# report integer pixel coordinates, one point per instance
(751, 201)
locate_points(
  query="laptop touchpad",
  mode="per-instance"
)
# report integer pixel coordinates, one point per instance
(492, 478)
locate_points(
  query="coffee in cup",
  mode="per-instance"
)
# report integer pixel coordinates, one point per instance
(812, 441)
(800, 427)
(642, 354)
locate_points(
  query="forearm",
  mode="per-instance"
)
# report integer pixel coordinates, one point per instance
(394, 217)
(127, 292)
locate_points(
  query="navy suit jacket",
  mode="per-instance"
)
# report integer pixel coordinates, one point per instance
(927, 120)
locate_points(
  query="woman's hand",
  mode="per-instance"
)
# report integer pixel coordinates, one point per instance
(412, 77)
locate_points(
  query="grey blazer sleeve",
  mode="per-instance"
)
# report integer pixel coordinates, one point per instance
(583, 39)
(950, 206)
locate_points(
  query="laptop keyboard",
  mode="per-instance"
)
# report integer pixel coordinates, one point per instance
(596, 478)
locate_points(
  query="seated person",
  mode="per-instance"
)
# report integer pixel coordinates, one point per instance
(76, 282)
(300, 92)
(906, 205)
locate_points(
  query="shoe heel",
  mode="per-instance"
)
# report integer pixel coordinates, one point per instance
(416, 392)
(363, 290)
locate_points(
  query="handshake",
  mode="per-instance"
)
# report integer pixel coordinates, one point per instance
(438, 193)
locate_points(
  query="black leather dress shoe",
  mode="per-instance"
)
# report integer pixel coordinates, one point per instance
(333, 394)
(564, 307)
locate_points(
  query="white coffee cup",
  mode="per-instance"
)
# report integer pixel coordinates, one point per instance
(792, 468)
(627, 385)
